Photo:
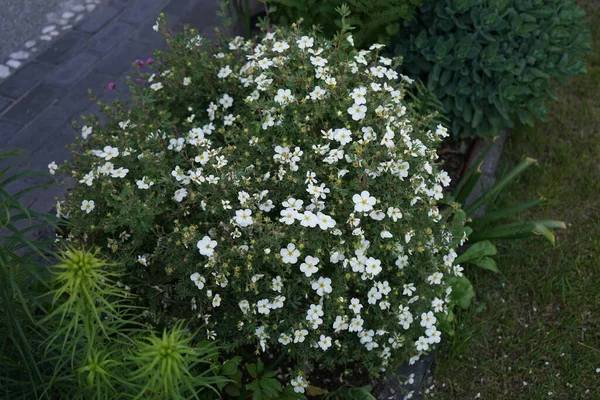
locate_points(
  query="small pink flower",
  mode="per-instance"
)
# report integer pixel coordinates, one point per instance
(139, 62)
(111, 85)
(149, 61)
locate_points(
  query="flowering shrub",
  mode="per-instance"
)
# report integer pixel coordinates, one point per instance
(281, 193)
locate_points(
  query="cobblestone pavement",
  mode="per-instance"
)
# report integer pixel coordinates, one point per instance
(38, 102)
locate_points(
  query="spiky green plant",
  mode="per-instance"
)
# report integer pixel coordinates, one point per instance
(164, 365)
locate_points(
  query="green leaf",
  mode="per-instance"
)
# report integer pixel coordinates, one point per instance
(500, 185)
(230, 366)
(486, 263)
(477, 250)
(519, 230)
(468, 187)
(462, 291)
(271, 387)
(232, 390)
(315, 391)
(505, 212)
(474, 168)
(252, 370)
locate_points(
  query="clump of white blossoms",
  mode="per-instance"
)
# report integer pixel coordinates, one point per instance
(289, 189)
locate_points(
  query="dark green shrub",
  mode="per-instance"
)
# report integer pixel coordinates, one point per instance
(374, 20)
(491, 62)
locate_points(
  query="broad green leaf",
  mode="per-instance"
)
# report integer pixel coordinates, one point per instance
(315, 391)
(486, 263)
(477, 251)
(230, 366)
(251, 370)
(462, 291)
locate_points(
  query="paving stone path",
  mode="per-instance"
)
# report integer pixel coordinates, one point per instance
(38, 102)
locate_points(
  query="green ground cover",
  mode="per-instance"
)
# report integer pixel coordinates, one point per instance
(534, 330)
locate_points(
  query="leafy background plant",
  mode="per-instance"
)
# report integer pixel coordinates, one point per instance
(375, 21)
(491, 63)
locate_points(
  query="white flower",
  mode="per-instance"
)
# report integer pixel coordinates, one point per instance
(318, 61)
(144, 183)
(373, 266)
(290, 254)
(343, 135)
(277, 302)
(226, 101)
(198, 280)
(187, 81)
(284, 339)
(224, 72)
(244, 306)
(363, 202)
(307, 219)
(350, 40)
(228, 120)
(293, 203)
(300, 335)
(318, 93)
(340, 323)
(265, 63)
(402, 261)
(142, 260)
(266, 206)
(86, 131)
(322, 286)
(435, 278)
(409, 288)
(263, 307)
(428, 320)
(52, 167)
(325, 221)
(243, 217)
(180, 194)
(155, 27)
(207, 246)
(109, 153)
(377, 215)
(355, 305)
(277, 284)
(87, 206)
(280, 47)
(394, 213)
(434, 336)
(298, 383)
(216, 302)
(386, 234)
(305, 42)
(357, 112)
(358, 95)
(119, 172)
(284, 96)
(324, 342)
(156, 86)
(288, 216)
(422, 344)
(309, 266)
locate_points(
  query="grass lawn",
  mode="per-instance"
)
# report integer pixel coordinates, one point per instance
(534, 330)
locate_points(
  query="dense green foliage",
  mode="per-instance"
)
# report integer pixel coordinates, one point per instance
(68, 327)
(491, 62)
(375, 21)
(255, 188)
